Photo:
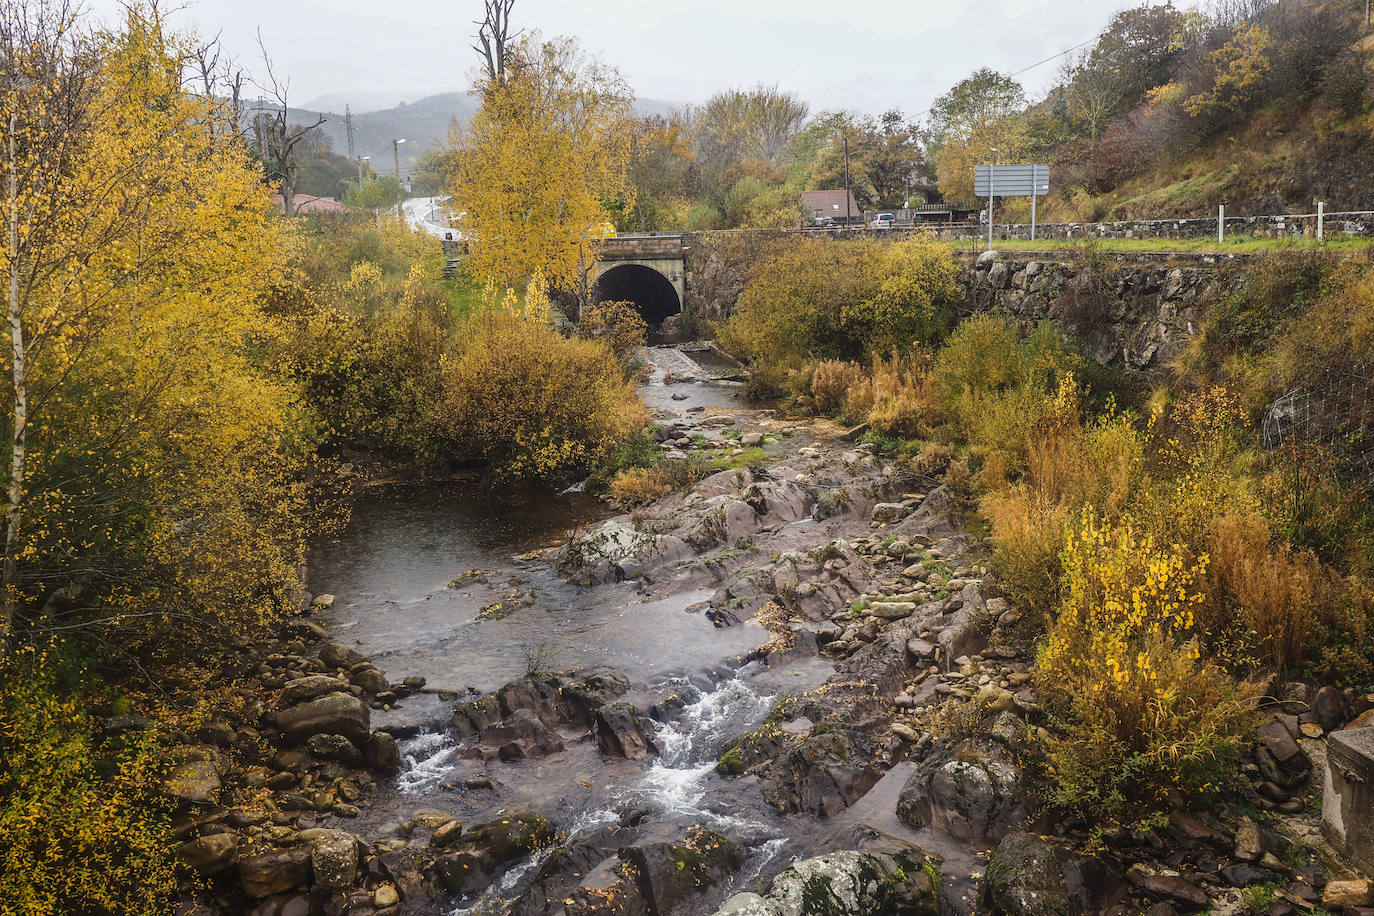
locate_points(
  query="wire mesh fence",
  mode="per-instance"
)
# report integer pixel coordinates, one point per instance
(1335, 416)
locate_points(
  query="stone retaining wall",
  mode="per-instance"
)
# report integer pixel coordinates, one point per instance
(1135, 311)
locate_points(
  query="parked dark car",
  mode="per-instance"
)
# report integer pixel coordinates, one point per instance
(823, 222)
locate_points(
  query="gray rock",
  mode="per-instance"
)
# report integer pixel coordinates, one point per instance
(892, 610)
(336, 655)
(275, 872)
(196, 781)
(307, 688)
(369, 679)
(621, 733)
(334, 860)
(331, 714)
(381, 753)
(1028, 876)
(334, 747)
(848, 882)
(887, 513)
(974, 793)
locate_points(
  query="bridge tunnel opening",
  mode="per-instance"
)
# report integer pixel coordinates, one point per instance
(651, 292)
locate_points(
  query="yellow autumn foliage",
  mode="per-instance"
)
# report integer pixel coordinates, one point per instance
(1141, 710)
(535, 164)
(534, 403)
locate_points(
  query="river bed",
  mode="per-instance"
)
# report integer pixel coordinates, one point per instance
(455, 582)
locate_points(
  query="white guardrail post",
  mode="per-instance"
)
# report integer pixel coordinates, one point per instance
(1321, 219)
(1221, 224)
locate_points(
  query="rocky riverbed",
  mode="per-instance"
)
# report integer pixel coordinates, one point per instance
(791, 689)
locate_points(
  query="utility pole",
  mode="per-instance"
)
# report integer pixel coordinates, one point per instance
(348, 127)
(361, 160)
(396, 163)
(848, 214)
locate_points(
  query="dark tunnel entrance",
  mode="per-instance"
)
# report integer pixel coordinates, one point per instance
(649, 290)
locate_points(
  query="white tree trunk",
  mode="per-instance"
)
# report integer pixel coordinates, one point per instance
(15, 503)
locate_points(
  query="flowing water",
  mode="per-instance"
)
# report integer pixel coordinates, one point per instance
(454, 582)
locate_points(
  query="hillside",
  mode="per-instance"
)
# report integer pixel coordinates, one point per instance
(423, 123)
(1266, 107)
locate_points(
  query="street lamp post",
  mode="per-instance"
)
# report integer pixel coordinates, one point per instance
(361, 160)
(396, 162)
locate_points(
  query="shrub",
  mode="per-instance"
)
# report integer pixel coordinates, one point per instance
(1027, 534)
(842, 300)
(901, 398)
(995, 384)
(766, 382)
(1277, 591)
(533, 403)
(830, 384)
(1139, 710)
(617, 323)
(83, 828)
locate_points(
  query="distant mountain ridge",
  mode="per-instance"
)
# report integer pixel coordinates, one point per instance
(423, 123)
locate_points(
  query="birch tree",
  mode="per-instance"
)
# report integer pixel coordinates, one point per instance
(537, 163)
(47, 90)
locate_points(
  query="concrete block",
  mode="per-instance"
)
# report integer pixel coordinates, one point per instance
(1348, 795)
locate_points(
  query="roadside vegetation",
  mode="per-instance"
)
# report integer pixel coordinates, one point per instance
(1172, 561)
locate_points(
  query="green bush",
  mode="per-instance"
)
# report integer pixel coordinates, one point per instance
(815, 298)
(534, 403)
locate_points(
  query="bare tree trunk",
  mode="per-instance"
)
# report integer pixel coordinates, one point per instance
(494, 34)
(288, 193)
(15, 503)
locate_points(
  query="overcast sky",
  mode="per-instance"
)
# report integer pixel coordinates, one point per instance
(868, 55)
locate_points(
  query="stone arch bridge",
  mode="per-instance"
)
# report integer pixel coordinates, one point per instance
(648, 270)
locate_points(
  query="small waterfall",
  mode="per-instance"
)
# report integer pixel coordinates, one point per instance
(425, 760)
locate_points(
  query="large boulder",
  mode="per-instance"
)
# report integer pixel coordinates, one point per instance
(846, 882)
(1028, 876)
(668, 874)
(823, 773)
(275, 872)
(521, 736)
(593, 690)
(974, 792)
(331, 714)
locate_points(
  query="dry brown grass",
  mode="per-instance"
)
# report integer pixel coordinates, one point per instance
(831, 382)
(1027, 533)
(1278, 592)
(640, 486)
(901, 395)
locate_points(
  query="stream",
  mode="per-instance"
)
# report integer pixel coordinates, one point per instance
(455, 583)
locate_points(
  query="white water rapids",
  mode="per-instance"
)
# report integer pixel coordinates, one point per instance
(675, 788)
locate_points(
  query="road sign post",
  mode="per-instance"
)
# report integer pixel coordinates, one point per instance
(1011, 181)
